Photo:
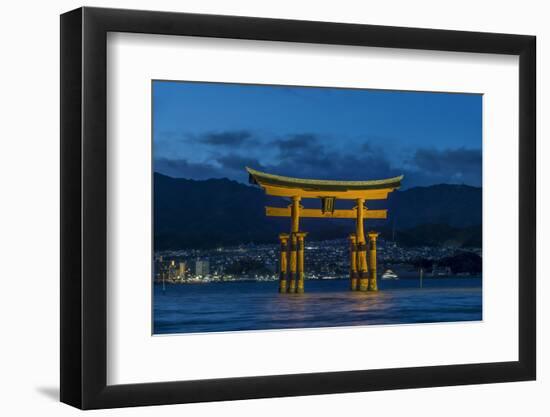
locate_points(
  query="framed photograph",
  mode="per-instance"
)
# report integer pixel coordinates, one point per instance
(257, 208)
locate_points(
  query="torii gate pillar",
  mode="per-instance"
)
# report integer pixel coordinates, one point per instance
(362, 265)
(373, 285)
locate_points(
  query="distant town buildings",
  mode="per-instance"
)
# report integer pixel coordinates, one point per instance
(202, 267)
(182, 270)
(324, 260)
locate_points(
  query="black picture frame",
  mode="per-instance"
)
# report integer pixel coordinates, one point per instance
(84, 207)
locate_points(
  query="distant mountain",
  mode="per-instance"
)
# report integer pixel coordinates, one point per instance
(198, 214)
(436, 235)
(221, 212)
(452, 205)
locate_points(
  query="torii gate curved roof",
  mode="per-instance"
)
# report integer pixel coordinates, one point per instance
(278, 185)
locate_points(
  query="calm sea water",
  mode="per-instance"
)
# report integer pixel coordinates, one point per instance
(231, 306)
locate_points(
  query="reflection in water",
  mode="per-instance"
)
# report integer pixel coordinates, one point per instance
(255, 306)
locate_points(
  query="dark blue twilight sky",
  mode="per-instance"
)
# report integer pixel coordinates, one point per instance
(211, 130)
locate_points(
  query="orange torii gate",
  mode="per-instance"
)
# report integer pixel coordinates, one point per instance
(362, 270)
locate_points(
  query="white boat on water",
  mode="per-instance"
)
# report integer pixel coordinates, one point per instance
(389, 274)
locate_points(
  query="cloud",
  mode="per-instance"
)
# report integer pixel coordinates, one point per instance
(310, 156)
(303, 142)
(227, 138)
(447, 160)
(238, 162)
(460, 165)
(181, 168)
(231, 166)
(307, 155)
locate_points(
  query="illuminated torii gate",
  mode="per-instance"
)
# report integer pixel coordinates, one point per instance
(362, 277)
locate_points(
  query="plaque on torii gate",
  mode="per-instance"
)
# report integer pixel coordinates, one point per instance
(362, 270)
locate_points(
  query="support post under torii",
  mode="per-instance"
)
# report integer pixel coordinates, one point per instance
(300, 262)
(293, 252)
(283, 264)
(362, 265)
(353, 262)
(373, 285)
